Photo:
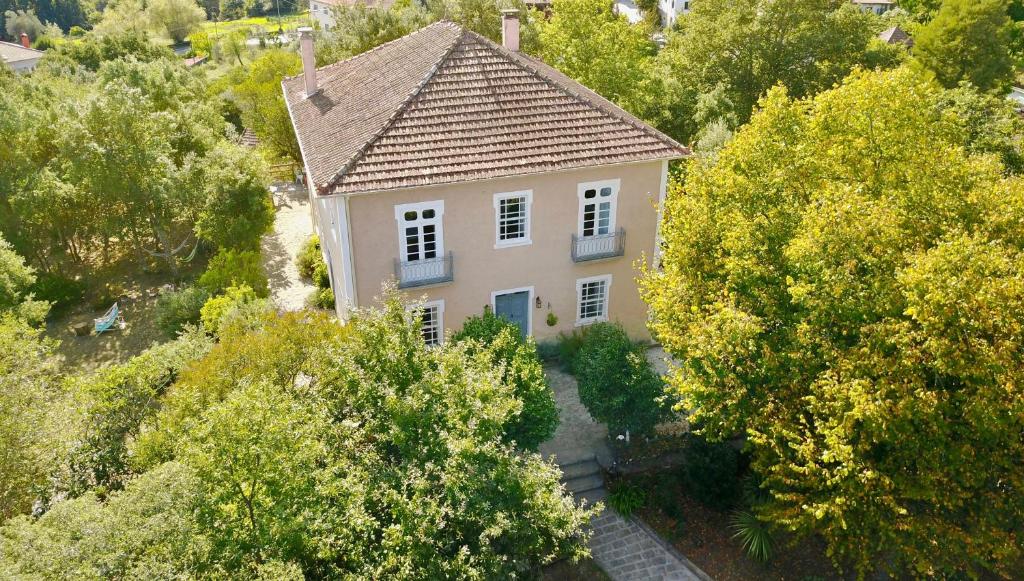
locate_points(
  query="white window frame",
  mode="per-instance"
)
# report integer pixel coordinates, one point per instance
(423, 306)
(498, 198)
(529, 304)
(583, 187)
(437, 220)
(607, 280)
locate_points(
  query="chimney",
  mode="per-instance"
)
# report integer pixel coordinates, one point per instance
(510, 29)
(308, 61)
(24, 41)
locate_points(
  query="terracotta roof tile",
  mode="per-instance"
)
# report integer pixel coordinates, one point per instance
(445, 105)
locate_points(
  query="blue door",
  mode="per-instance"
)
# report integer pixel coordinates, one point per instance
(515, 307)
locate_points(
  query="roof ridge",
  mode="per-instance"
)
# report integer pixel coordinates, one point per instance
(527, 62)
(358, 153)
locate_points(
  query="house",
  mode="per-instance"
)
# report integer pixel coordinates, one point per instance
(322, 11)
(629, 9)
(876, 6)
(897, 35)
(22, 58)
(671, 9)
(1017, 96)
(477, 176)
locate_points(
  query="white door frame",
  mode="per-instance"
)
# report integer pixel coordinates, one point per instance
(529, 304)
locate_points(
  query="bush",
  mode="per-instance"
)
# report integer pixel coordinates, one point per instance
(522, 371)
(218, 307)
(178, 308)
(309, 257)
(754, 534)
(322, 298)
(617, 384)
(235, 268)
(626, 498)
(61, 292)
(569, 345)
(710, 472)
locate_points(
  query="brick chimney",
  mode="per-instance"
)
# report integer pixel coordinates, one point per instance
(510, 29)
(24, 41)
(308, 60)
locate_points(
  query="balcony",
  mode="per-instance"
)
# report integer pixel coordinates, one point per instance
(600, 246)
(430, 271)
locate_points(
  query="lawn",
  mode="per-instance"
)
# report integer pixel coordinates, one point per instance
(269, 23)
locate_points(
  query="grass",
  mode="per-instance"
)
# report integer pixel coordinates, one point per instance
(270, 23)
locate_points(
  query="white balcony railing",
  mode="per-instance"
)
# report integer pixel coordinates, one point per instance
(423, 272)
(599, 246)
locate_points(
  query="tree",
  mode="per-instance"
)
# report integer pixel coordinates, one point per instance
(841, 285)
(20, 22)
(262, 102)
(123, 17)
(728, 53)
(588, 41)
(968, 40)
(15, 280)
(521, 368)
(178, 18)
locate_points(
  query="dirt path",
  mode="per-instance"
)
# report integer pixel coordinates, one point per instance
(292, 226)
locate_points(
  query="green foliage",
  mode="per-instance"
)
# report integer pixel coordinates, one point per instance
(237, 210)
(710, 472)
(727, 54)
(262, 103)
(217, 308)
(991, 123)
(968, 40)
(22, 21)
(92, 50)
(177, 309)
(588, 41)
(230, 268)
(841, 285)
(61, 292)
(323, 298)
(569, 346)
(551, 319)
(175, 18)
(754, 534)
(310, 257)
(616, 382)
(521, 370)
(626, 498)
(16, 281)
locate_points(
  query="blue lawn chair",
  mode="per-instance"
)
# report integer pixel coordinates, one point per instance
(108, 320)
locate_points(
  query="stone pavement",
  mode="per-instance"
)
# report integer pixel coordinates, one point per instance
(630, 551)
(293, 225)
(578, 436)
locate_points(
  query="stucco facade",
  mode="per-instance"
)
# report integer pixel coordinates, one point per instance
(361, 237)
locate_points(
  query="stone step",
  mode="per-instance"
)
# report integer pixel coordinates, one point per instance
(584, 483)
(582, 468)
(591, 496)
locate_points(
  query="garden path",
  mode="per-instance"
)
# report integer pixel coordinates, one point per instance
(293, 224)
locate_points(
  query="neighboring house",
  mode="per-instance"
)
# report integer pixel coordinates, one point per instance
(323, 10)
(876, 6)
(1017, 96)
(477, 176)
(671, 9)
(20, 57)
(629, 9)
(897, 35)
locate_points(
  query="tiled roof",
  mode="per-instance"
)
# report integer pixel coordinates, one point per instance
(445, 105)
(896, 35)
(12, 53)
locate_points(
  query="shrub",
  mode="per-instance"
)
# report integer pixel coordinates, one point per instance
(321, 276)
(569, 345)
(309, 256)
(235, 268)
(521, 370)
(322, 298)
(754, 534)
(61, 292)
(617, 384)
(218, 307)
(178, 308)
(710, 472)
(626, 498)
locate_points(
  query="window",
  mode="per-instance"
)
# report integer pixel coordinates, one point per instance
(432, 319)
(597, 208)
(419, 231)
(592, 299)
(512, 218)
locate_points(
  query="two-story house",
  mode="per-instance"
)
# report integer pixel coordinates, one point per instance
(322, 11)
(476, 176)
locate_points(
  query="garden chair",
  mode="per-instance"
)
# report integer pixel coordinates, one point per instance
(112, 316)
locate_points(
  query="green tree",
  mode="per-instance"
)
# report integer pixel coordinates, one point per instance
(727, 53)
(22, 21)
(521, 368)
(262, 102)
(15, 279)
(176, 18)
(968, 40)
(237, 210)
(841, 285)
(588, 41)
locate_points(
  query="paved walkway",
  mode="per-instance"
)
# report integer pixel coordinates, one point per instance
(629, 551)
(292, 226)
(578, 436)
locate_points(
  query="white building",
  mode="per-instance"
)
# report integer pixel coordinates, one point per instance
(20, 57)
(322, 11)
(671, 9)
(876, 6)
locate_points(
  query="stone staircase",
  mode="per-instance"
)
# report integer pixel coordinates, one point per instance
(585, 480)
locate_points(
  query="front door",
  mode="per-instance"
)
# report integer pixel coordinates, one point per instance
(515, 307)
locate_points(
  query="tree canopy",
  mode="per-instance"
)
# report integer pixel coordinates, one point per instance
(968, 40)
(842, 285)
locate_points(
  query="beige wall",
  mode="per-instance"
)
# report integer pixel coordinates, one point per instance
(546, 264)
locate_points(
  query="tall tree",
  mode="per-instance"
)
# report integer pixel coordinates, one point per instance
(176, 18)
(968, 40)
(262, 102)
(842, 285)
